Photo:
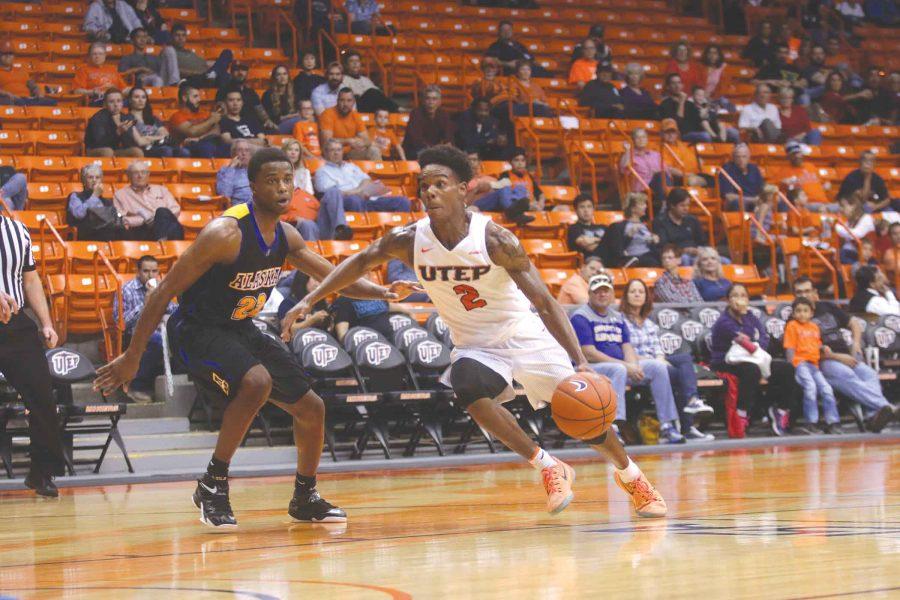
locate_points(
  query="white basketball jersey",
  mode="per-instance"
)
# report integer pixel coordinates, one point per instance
(478, 300)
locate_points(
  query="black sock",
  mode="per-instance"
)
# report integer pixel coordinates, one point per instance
(304, 484)
(217, 469)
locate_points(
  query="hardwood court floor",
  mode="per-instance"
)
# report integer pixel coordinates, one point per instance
(821, 522)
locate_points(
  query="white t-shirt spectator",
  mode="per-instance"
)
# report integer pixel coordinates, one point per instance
(753, 114)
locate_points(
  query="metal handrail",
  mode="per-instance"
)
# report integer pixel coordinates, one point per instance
(752, 220)
(113, 346)
(42, 236)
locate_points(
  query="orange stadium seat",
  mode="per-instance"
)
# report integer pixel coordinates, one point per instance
(337, 250)
(81, 255)
(193, 221)
(551, 254)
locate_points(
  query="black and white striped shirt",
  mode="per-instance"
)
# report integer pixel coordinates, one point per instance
(15, 258)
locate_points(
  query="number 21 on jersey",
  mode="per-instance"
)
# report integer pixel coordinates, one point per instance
(248, 307)
(469, 297)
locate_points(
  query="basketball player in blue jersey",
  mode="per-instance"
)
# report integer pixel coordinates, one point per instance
(483, 285)
(224, 279)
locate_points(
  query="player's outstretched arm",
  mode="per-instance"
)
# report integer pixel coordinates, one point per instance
(506, 251)
(348, 275)
(219, 242)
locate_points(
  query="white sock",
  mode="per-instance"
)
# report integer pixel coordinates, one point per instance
(629, 473)
(542, 459)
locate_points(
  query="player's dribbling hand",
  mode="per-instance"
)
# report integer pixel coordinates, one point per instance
(584, 367)
(118, 372)
(401, 289)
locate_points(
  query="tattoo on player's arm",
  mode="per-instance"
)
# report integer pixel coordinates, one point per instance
(506, 250)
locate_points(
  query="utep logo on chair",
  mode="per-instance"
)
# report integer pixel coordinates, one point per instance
(398, 321)
(413, 334)
(428, 351)
(691, 329)
(65, 362)
(884, 337)
(311, 337)
(377, 353)
(667, 317)
(363, 336)
(323, 355)
(670, 342)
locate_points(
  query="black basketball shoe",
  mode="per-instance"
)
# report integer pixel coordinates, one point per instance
(211, 497)
(310, 507)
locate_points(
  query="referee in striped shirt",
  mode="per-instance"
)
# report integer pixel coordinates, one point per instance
(22, 358)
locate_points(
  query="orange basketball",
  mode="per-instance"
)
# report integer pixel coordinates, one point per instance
(584, 405)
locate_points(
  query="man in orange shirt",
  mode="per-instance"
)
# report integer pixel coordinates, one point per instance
(685, 168)
(799, 175)
(95, 77)
(343, 123)
(890, 262)
(16, 85)
(198, 131)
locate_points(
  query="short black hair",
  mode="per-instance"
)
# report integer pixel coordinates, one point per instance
(582, 198)
(146, 258)
(516, 151)
(672, 76)
(803, 279)
(264, 157)
(677, 196)
(178, 27)
(136, 31)
(865, 275)
(802, 302)
(184, 89)
(344, 90)
(447, 156)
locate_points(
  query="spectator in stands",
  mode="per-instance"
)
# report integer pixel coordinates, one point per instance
(584, 69)
(716, 78)
(683, 64)
(109, 131)
(490, 87)
(873, 293)
(306, 129)
(89, 212)
(510, 52)
(639, 103)
(641, 166)
(235, 126)
(148, 132)
(851, 12)
(675, 225)
(761, 47)
(232, 180)
(636, 306)
(314, 219)
(16, 85)
(134, 293)
(737, 326)
(477, 131)
(95, 76)
(374, 314)
(795, 123)
(675, 105)
(866, 256)
(708, 275)
(890, 261)
(815, 73)
(397, 270)
(325, 95)
(145, 67)
(584, 235)
(874, 104)
(180, 63)
(800, 175)
(198, 131)
(703, 123)
(343, 123)
(109, 21)
(685, 169)
(299, 284)
(369, 98)
(601, 96)
(842, 363)
(780, 74)
(858, 225)
(870, 185)
(384, 138)
(575, 289)
(359, 192)
(527, 96)
(279, 101)
(519, 175)
(490, 194)
(152, 21)
(605, 338)
(252, 108)
(760, 119)
(631, 243)
(362, 18)
(429, 124)
(13, 189)
(596, 34)
(802, 343)
(308, 78)
(671, 286)
(835, 104)
(149, 211)
(746, 175)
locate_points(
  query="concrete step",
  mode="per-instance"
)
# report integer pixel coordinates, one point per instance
(160, 442)
(154, 426)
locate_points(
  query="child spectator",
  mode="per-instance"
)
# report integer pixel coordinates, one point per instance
(802, 344)
(384, 138)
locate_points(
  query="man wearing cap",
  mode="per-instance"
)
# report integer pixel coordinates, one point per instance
(605, 340)
(16, 85)
(252, 108)
(601, 95)
(800, 175)
(682, 156)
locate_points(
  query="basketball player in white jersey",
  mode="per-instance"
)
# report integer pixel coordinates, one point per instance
(483, 285)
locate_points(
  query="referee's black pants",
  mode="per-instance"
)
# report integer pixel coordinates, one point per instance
(24, 364)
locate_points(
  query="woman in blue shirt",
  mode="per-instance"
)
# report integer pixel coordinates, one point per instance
(709, 277)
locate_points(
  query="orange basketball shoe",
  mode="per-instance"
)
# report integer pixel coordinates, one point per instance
(647, 501)
(558, 481)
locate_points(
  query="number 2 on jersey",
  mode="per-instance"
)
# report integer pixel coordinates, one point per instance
(469, 297)
(248, 307)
